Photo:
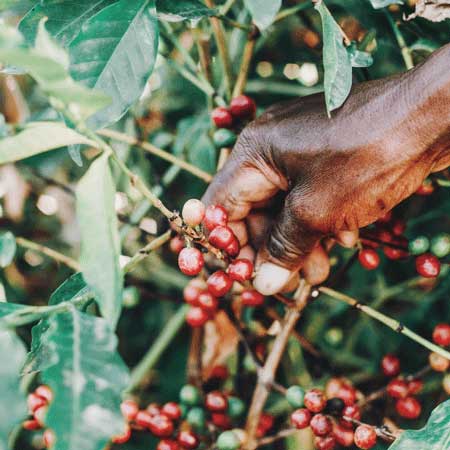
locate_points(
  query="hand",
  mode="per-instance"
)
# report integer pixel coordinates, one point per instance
(335, 175)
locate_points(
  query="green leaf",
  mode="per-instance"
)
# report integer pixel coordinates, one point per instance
(65, 18)
(359, 58)
(263, 11)
(7, 248)
(87, 378)
(115, 53)
(336, 61)
(13, 408)
(100, 243)
(377, 4)
(176, 10)
(434, 436)
(39, 137)
(7, 308)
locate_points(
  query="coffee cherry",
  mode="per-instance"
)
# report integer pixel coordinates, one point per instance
(190, 395)
(35, 402)
(325, 443)
(251, 297)
(347, 394)
(190, 261)
(224, 138)
(221, 421)
(440, 245)
(343, 436)
(221, 237)
(369, 259)
(44, 392)
(219, 283)
(196, 317)
(161, 425)
(315, 400)
(233, 249)
(31, 425)
(438, 362)
(215, 216)
(177, 244)
(143, 419)
(208, 303)
(419, 245)
(222, 117)
(216, 402)
(396, 253)
(193, 212)
(428, 266)
(408, 407)
(266, 421)
(167, 444)
(49, 439)
(129, 409)
(228, 440)
(426, 188)
(122, 438)
(397, 388)
(390, 365)
(243, 107)
(188, 440)
(295, 396)
(40, 414)
(335, 406)
(415, 386)
(172, 410)
(441, 334)
(332, 387)
(446, 383)
(321, 425)
(192, 291)
(196, 418)
(153, 409)
(220, 372)
(350, 412)
(365, 437)
(240, 270)
(398, 227)
(236, 407)
(301, 418)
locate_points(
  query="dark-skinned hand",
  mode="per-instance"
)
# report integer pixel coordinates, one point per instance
(296, 176)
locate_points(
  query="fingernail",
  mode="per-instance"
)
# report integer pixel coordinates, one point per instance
(271, 278)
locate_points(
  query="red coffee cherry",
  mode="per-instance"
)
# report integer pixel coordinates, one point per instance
(343, 436)
(240, 270)
(350, 412)
(193, 212)
(219, 283)
(233, 249)
(167, 444)
(315, 400)
(161, 425)
(408, 407)
(438, 362)
(192, 291)
(221, 237)
(301, 418)
(216, 402)
(251, 297)
(347, 394)
(188, 440)
(369, 259)
(426, 188)
(172, 410)
(176, 244)
(415, 386)
(441, 334)
(221, 421)
(396, 253)
(222, 117)
(129, 409)
(385, 219)
(398, 227)
(143, 419)
(44, 392)
(190, 261)
(208, 302)
(122, 438)
(428, 266)
(49, 438)
(325, 443)
(390, 365)
(35, 402)
(40, 415)
(196, 317)
(332, 387)
(215, 215)
(321, 425)
(397, 388)
(220, 372)
(243, 107)
(153, 409)
(365, 437)
(266, 421)
(31, 425)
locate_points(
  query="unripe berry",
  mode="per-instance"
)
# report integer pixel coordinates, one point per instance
(350, 412)
(222, 117)
(129, 409)
(343, 436)
(224, 138)
(428, 266)
(208, 302)
(369, 259)
(397, 388)
(321, 425)
(161, 425)
(44, 392)
(221, 237)
(190, 261)
(440, 245)
(122, 438)
(215, 215)
(221, 421)
(176, 244)
(228, 440)
(365, 437)
(390, 365)
(441, 334)
(325, 443)
(446, 383)
(219, 283)
(196, 317)
(193, 212)
(438, 362)
(315, 400)
(301, 418)
(419, 245)
(295, 396)
(408, 407)
(35, 402)
(190, 395)
(167, 444)
(236, 407)
(251, 297)
(216, 402)
(240, 270)
(188, 440)
(243, 107)
(196, 418)
(31, 425)
(49, 438)
(172, 410)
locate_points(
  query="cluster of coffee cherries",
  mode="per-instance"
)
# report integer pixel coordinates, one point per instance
(441, 337)
(203, 296)
(241, 110)
(332, 415)
(38, 402)
(390, 231)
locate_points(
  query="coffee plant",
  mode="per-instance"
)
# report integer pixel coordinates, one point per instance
(128, 318)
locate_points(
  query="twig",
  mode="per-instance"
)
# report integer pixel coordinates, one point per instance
(276, 437)
(406, 52)
(293, 10)
(245, 64)
(234, 23)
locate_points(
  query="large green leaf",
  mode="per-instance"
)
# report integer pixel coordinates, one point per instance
(13, 407)
(263, 11)
(176, 10)
(65, 18)
(87, 378)
(434, 436)
(115, 53)
(100, 243)
(377, 4)
(336, 61)
(7, 248)
(39, 137)
(7, 308)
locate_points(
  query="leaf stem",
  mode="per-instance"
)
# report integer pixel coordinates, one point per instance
(293, 10)
(245, 64)
(406, 52)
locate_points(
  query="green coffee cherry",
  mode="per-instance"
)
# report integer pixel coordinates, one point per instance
(224, 138)
(236, 407)
(419, 245)
(295, 396)
(249, 364)
(228, 440)
(184, 410)
(196, 418)
(190, 395)
(334, 336)
(440, 245)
